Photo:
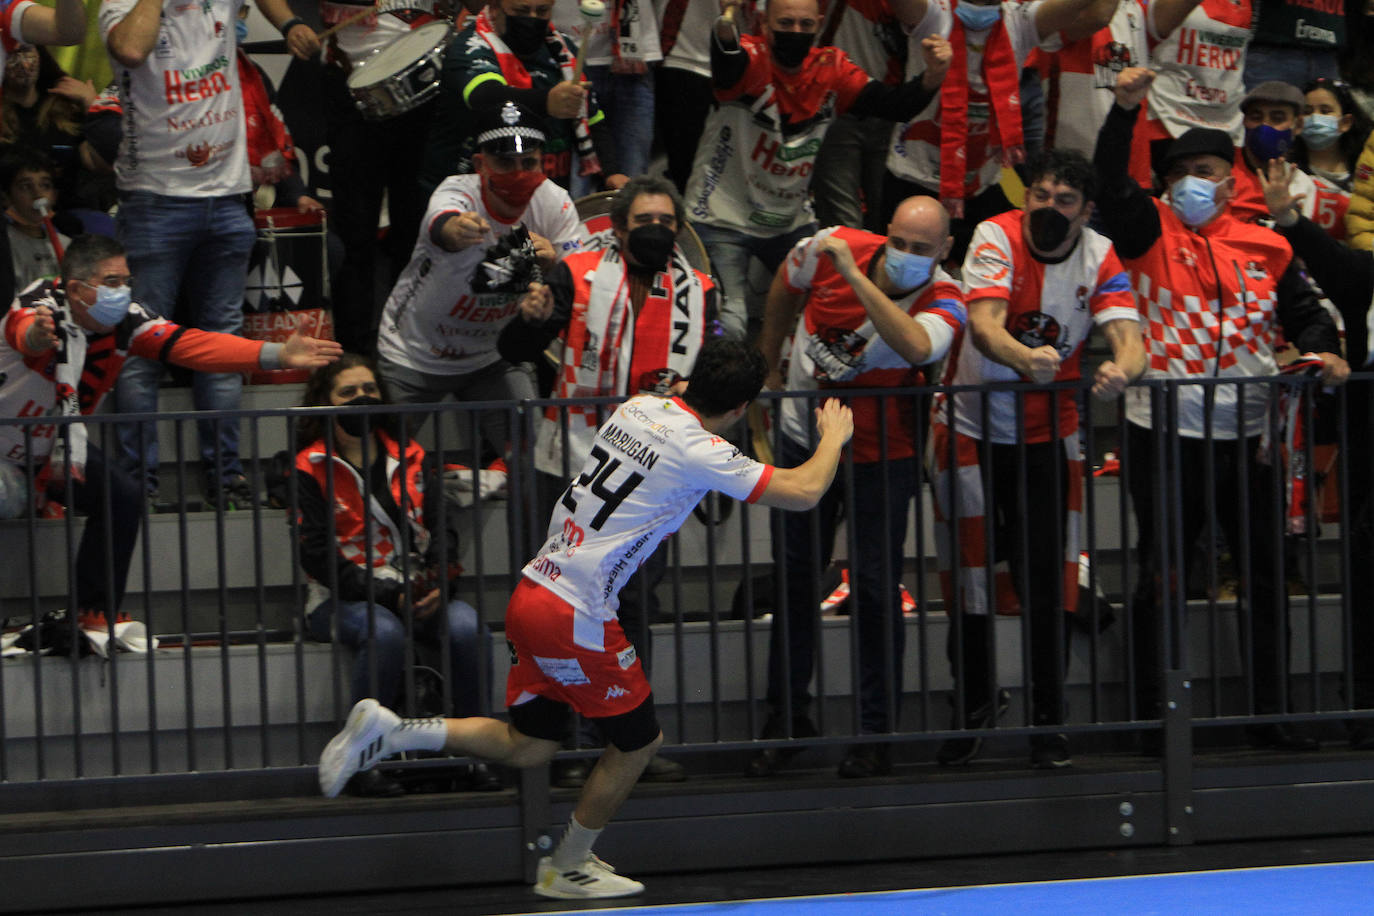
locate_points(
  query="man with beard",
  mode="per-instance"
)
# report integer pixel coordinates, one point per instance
(777, 95)
(510, 52)
(1037, 281)
(632, 318)
(485, 242)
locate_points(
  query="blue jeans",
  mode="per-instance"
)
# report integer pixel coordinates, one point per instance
(628, 101)
(199, 246)
(875, 573)
(730, 251)
(389, 638)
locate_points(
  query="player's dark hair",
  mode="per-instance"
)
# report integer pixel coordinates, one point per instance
(645, 184)
(727, 373)
(84, 255)
(1064, 166)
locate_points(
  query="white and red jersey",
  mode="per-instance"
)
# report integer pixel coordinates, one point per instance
(758, 149)
(184, 129)
(1199, 70)
(651, 463)
(11, 27)
(1047, 305)
(868, 31)
(836, 345)
(914, 154)
(638, 23)
(435, 321)
(1083, 76)
(30, 383)
(1322, 202)
(685, 34)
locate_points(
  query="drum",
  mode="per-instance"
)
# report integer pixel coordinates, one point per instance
(402, 75)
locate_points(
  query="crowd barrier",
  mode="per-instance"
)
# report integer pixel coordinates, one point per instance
(236, 684)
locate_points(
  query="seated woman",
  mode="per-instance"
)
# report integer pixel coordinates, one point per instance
(403, 577)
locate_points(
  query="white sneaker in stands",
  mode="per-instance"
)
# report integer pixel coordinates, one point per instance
(358, 747)
(593, 878)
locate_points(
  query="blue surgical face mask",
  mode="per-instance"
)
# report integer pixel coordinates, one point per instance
(906, 270)
(1319, 131)
(1265, 142)
(978, 18)
(111, 305)
(1193, 199)
(241, 30)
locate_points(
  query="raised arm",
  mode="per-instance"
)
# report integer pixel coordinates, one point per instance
(907, 338)
(1129, 216)
(1058, 15)
(779, 321)
(64, 24)
(301, 39)
(801, 487)
(133, 38)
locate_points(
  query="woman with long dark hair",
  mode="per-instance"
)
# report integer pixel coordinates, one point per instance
(367, 504)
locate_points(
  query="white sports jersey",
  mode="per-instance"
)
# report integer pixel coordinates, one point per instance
(434, 321)
(596, 46)
(918, 160)
(184, 129)
(1087, 75)
(652, 462)
(1200, 68)
(691, 46)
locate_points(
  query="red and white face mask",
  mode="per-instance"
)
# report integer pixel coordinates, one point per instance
(513, 188)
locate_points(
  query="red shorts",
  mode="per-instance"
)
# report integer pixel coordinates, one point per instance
(565, 656)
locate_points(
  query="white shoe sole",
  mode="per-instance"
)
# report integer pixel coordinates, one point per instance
(354, 749)
(607, 886)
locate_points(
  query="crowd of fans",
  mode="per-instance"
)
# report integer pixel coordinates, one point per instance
(1198, 185)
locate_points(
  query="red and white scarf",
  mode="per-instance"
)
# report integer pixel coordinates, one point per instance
(608, 349)
(1004, 113)
(270, 150)
(518, 77)
(971, 528)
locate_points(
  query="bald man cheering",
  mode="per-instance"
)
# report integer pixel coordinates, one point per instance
(873, 311)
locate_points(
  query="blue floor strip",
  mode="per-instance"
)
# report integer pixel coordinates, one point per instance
(1283, 891)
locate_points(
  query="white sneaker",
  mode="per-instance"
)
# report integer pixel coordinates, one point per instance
(593, 878)
(358, 747)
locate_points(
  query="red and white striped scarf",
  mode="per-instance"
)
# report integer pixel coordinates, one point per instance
(970, 523)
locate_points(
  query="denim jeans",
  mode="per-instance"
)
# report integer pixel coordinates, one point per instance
(876, 575)
(628, 101)
(350, 627)
(199, 247)
(851, 160)
(730, 251)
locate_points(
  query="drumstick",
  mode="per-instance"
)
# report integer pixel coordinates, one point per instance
(349, 20)
(591, 10)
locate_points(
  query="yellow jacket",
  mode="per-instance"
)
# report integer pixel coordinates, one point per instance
(1359, 219)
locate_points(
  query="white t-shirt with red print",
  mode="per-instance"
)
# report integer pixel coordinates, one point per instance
(184, 131)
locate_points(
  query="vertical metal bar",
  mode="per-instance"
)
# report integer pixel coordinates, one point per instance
(187, 640)
(888, 596)
(1313, 522)
(222, 599)
(259, 596)
(1023, 548)
(1126, 462)
(149, 660)
(1209, 491)
(1348, 524)
(1247, 639)
(336, 650)
(74, 631)
(40, 740)
(852, 545)
(1089, 547)
(111, 608)
(921, 415)
(293, 511)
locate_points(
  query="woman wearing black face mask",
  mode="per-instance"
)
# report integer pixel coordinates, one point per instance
(380, 550)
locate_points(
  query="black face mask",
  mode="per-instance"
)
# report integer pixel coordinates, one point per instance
(791, 48)
(651, 245)
(525, 34)
(352, 423)
(1048, 229)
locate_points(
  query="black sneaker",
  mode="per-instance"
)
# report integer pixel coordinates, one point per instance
(661, 769)
(959, 751)
(768, 761)
(1050, 752)
(233, 492)
(865, 761)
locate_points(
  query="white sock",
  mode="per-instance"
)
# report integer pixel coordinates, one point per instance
(575, 846)
(418, 735)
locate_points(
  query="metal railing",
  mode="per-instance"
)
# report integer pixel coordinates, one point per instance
(238, 684)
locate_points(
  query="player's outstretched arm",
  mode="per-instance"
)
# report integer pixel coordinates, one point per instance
(801, 487)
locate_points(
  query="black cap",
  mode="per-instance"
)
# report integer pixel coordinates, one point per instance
(1201, 141)
(1276, 91)
(508, 129)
